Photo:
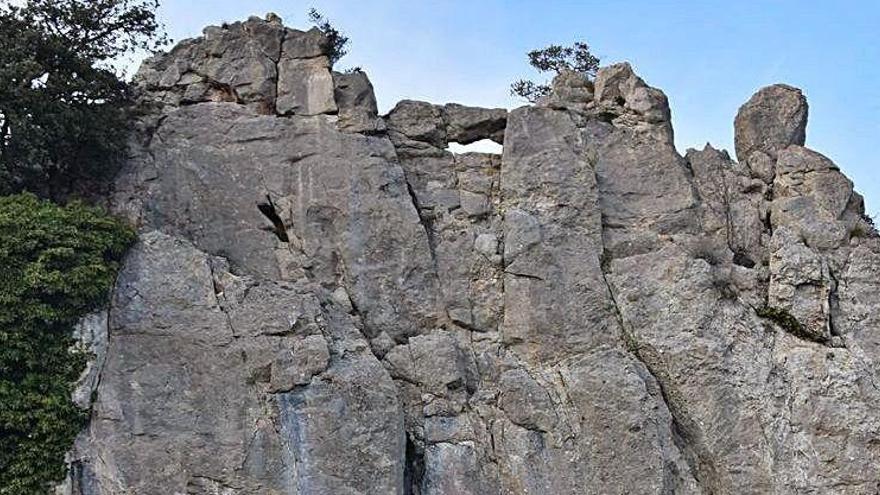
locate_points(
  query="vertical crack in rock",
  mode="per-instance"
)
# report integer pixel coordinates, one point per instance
(219, 292)
(151, 131)
(425, 223)
(833, 306)
(684, 430)
(278, 70)
(685, 433)
(414, 469)
(721, 182)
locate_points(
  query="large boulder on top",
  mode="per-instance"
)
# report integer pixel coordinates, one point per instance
(774, 118)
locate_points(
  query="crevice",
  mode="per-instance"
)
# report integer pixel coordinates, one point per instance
(153, 131)
(720, 182)
(413, 468)
(99, 373)
(788, 322)
(833, 304)
(223, 92)
(523, 275)
(743, 260)
(728, 218)
(277, 61)
(426, 225)
(218, 293)
(218, 91)
(464, 324)
(270, 212)
(684, 432)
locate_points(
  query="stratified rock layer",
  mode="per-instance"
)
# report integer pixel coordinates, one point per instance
(326, 301)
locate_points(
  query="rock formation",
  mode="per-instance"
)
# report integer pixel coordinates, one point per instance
(326, 301)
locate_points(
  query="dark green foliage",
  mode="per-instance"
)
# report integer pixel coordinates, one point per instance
(529, 90)
(558, 58)
(866, 229)
(58, 264)
(100, 29)
(787, 322)
(555, 58)
(63, 118)
(338, 40)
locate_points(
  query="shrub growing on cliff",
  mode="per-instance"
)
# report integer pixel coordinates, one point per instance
(62, 107)
(338, 40)
(58, 264)
(555, 58)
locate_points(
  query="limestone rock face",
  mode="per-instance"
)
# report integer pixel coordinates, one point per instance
(326, 301)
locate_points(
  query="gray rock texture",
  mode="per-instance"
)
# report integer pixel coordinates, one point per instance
(774, 118)
(326, 301)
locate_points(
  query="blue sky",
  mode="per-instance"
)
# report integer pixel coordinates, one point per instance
(708, 56)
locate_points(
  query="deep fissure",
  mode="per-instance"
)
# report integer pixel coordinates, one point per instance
(271, 213)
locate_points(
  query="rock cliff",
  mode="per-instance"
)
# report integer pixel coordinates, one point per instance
(326, 301)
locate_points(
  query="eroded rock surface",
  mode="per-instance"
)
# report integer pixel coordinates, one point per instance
(326, 301)
(774, 118)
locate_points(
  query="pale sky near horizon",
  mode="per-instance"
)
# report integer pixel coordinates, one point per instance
(708, 56)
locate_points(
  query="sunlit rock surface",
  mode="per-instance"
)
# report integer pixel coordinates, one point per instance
(326, 301)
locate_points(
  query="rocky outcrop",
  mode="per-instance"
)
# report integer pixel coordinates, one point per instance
(773, 119)
(326, 301)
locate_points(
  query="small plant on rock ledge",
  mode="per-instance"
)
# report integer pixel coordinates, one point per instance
(555, 58)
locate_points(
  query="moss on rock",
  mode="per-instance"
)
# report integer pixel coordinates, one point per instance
(788, 322)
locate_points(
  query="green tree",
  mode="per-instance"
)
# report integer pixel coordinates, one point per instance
(63, 109)
(555, 58)
(59, 264)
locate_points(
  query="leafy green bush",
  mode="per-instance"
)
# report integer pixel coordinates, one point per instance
(57, 264)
